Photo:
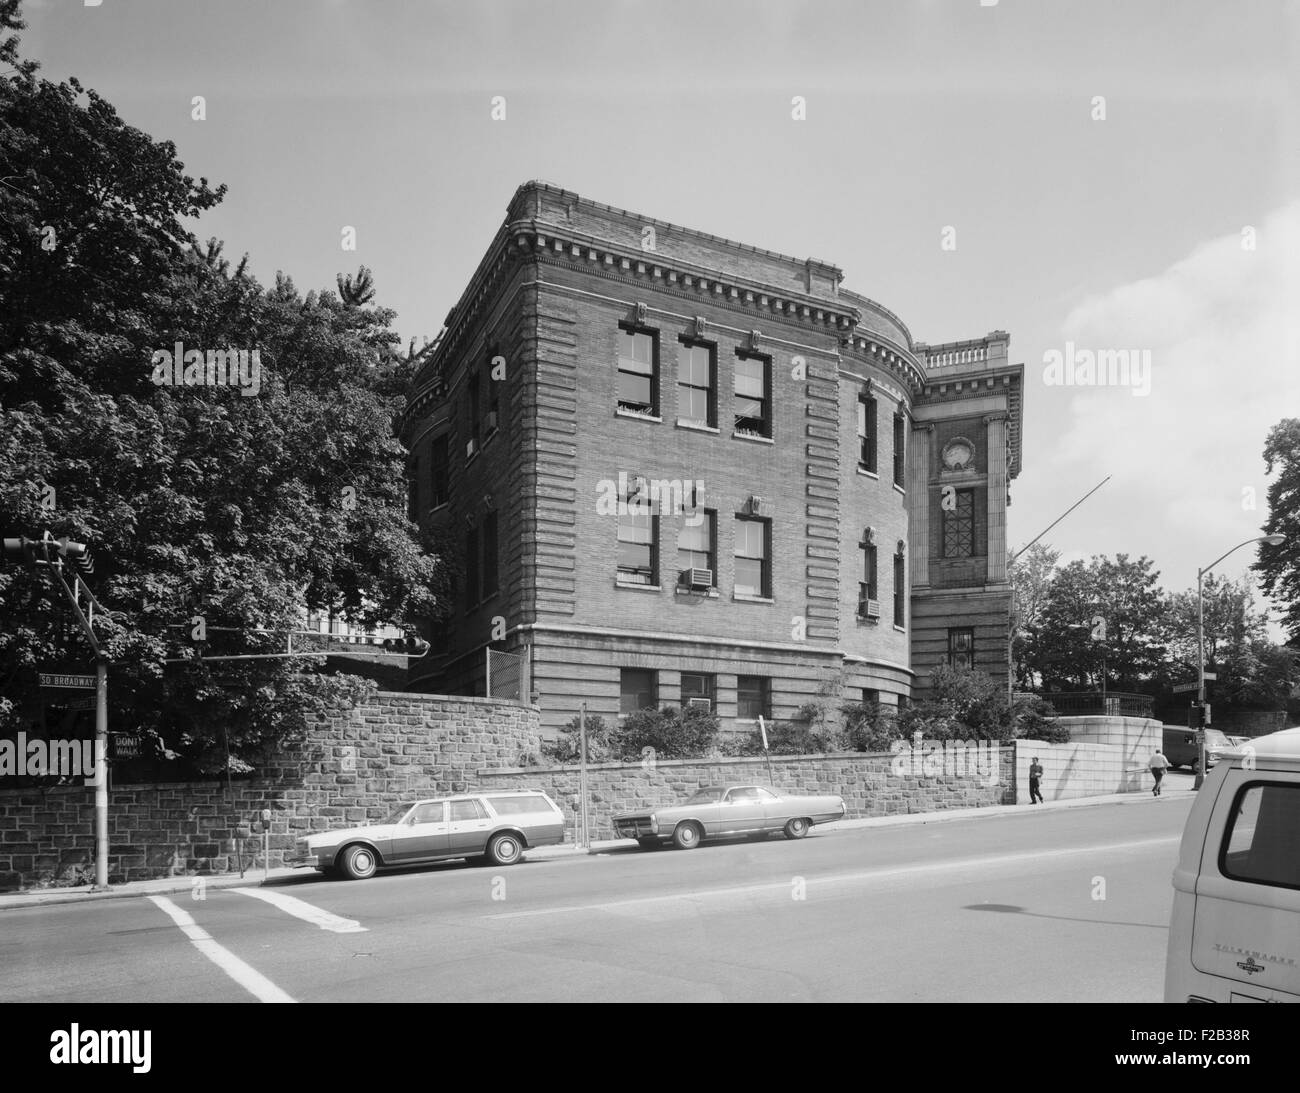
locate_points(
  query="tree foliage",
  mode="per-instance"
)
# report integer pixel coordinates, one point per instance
(211, 501)
(1279, 566)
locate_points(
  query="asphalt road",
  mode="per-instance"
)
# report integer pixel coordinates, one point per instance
(985, 909)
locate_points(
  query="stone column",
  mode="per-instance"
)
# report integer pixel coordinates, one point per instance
(996, 425)
(918, 505)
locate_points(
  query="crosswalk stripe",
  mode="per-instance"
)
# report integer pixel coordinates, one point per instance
(245, 975)
(300, 908)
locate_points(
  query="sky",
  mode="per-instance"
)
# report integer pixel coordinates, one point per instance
(1115, 176)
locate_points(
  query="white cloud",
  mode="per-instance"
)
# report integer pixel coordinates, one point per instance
(1223, 329)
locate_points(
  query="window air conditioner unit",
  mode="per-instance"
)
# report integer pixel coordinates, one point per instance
(697, 578)
(873, 609)
(704, 704)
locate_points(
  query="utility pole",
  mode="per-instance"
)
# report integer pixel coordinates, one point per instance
(1271, 540)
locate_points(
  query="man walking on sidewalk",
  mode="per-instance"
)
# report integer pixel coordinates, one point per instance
(1035, 780)
(1158, 766)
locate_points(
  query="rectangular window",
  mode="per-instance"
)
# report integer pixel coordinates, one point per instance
(1260, 844)
(636, 688)
(638, 371)
(439, 485)
(899, 424)
(473, 590)
(959, 526)
(475, 436)
(697, 685)
(961, 647)
(753, 569)
(867, 433)
(867, 589)
(490, 561)
(900, 591)
(638, 539)
(753, 395)
(697, 544)
(870, 696)
(697, 400)
(753, 698)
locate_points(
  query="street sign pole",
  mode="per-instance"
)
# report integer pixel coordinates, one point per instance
(101, 774)
(582, 775)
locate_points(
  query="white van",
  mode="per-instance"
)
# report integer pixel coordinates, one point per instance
(1235, 931)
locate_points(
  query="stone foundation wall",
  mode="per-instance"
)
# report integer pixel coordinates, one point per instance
(352, 768)
(869, 784)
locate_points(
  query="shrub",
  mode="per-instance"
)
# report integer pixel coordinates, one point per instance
(566, 747)
(869, 727)
(672, 733)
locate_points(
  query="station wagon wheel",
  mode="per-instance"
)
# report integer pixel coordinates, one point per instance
(358, 862)
(504, 849)
(796, 828)
(686, 836)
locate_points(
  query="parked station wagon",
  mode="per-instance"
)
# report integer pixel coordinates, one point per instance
(497, 827)
(729, 810)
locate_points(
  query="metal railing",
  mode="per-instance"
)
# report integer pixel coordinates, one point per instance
(1112, 703)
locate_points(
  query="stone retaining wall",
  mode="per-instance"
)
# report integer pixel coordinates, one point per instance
(352, 768)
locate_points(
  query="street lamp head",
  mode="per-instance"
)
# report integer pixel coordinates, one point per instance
(1275, 539)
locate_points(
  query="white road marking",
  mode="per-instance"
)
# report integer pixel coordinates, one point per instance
(833, 878)
(245, 975)
(308, 912)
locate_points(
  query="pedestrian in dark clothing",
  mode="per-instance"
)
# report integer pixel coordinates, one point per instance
(1035, 779)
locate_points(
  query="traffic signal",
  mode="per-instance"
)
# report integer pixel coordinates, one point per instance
(411, 645)
(1196, 716)
(40, 551)
(1205, 714)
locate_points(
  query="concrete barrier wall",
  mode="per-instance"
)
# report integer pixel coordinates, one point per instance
(1079, 769)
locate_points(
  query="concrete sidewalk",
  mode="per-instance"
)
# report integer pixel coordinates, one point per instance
(190, 883)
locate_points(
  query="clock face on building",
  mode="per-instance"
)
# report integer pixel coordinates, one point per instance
(957, 455)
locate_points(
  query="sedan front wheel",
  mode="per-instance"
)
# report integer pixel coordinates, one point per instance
(796, 829)
(686, 836)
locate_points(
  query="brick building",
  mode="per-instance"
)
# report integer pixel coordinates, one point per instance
(676, 467)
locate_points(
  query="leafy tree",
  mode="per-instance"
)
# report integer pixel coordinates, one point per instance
(244, 509)
(965, 703)
(1124, 595)
(1252, 671)
(1031, 579)
(1279, 566)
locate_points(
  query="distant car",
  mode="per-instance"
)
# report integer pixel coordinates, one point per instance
(718, 811)
(1179, 745)
(498, 827)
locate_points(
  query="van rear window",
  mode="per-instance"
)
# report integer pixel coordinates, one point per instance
(514, 806)
(1262, 843)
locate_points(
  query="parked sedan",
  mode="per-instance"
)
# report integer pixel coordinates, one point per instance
(718, 811)
(497, 827)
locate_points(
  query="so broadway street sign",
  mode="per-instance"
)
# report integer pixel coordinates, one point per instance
(57, 681)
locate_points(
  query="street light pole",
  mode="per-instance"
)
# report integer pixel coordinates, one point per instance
(1272, 540)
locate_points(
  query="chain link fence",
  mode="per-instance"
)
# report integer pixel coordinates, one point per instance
(507, 675)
